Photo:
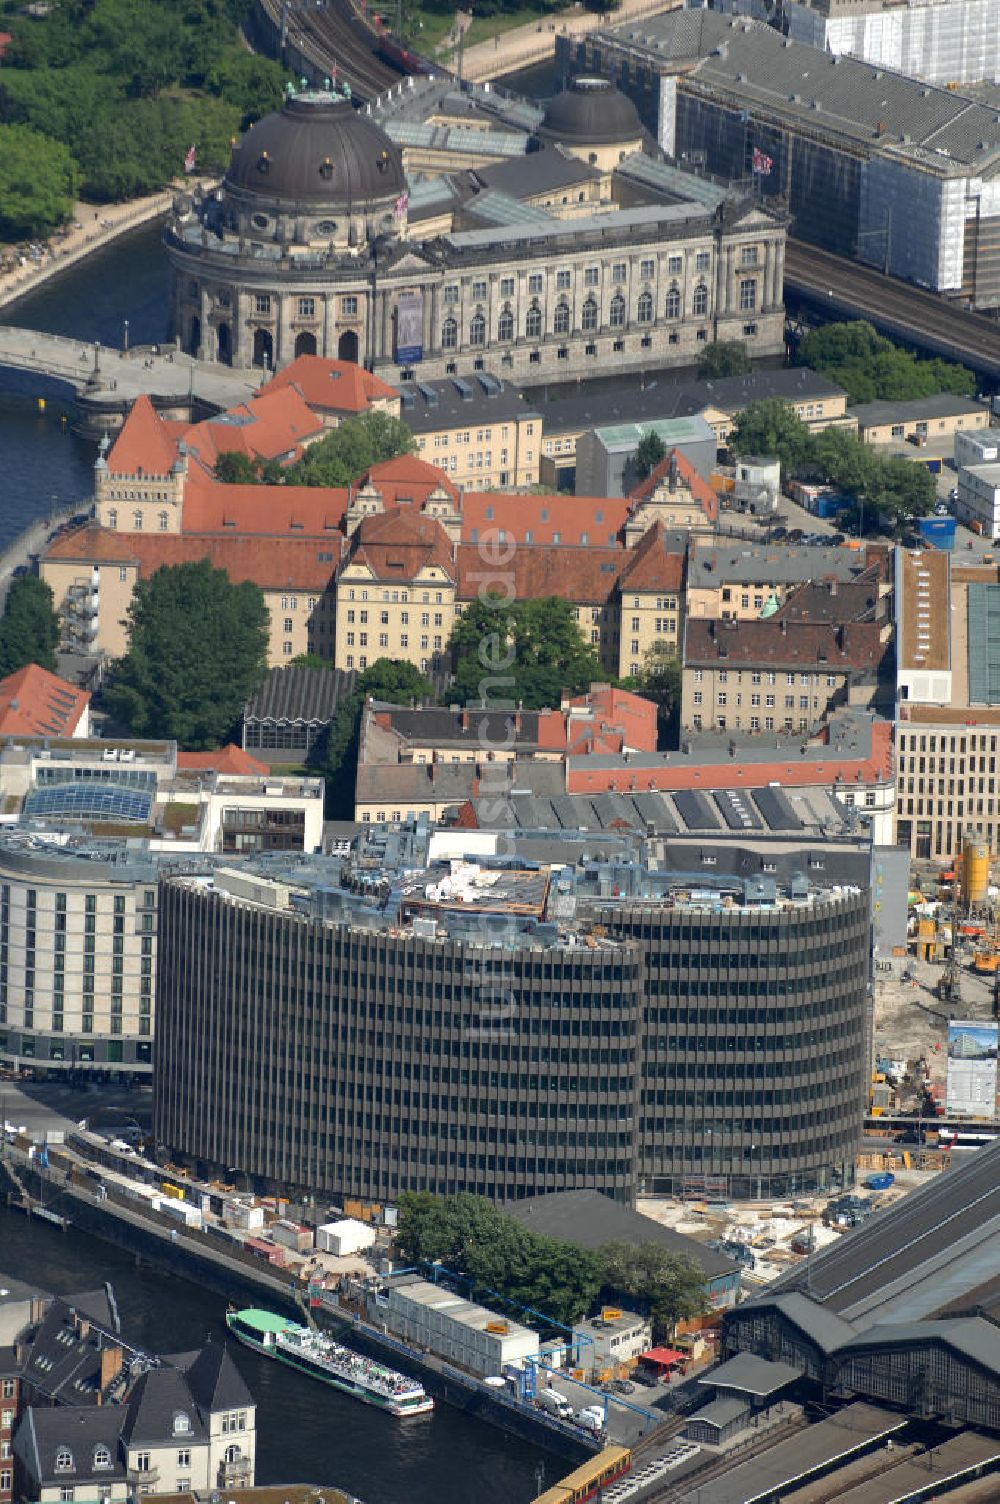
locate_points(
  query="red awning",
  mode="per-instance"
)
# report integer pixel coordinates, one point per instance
(663, 1356)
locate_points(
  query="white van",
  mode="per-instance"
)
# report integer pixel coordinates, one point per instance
(554, 1403)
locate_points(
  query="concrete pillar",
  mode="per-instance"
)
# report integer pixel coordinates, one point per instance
(204, 350)
(383, 339)
(328, 336)
(427, 334)
(433, 344)
(242, 342)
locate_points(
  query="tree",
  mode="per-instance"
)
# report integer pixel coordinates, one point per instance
(197, 651)
(350, 449)
(649, 453)
(668, 1285)
(234, 468)
(29, 627)
(38, 183)
(771, 427)
(723, 357)
(334, 755)
(871, 368)
(253, 83)
(525, 652)
(660, 680)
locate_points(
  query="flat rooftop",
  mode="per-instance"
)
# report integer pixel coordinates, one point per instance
(924, 642)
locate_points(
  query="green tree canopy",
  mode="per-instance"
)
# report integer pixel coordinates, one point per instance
(871, 368)
(649, 453)
(254, 84)
(659, 680)
(669, 1286)
(723, 357)
(38, 183)
(197, 651)
(350, 449)
(524, 652)
(29, 627)
(771, 427)
(234, 468)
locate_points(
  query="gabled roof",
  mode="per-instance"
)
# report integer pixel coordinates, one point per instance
(46, 1430)
(271, 563)
(269, 426)
(38, 703)
(310, 511)
(971, 1336)
(155, 1407)
(398, 544)
(335, 386)
(680, 467)
(215, 1381)
(655, 563)
(143, 443)
(407, 478)
(227, 759)
(297, 693)
(820, 645)
(577, 574)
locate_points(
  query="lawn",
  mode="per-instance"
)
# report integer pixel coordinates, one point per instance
(432, 32)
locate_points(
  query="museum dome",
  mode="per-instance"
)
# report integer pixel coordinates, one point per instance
(591, 111)
(317, 151)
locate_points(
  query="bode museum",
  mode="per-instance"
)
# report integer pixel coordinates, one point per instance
(552, 245)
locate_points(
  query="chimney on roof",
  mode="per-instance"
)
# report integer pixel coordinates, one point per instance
(673, 470)
(111, 1363)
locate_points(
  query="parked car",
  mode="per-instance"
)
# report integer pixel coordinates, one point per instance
(621, 1386)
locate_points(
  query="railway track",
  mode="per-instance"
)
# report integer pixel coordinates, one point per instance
(336, 39)
(895, 307)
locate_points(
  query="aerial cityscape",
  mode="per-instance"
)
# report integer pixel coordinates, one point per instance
(499, 787)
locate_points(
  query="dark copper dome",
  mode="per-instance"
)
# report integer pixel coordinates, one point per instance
(318, 152)
(591, 110)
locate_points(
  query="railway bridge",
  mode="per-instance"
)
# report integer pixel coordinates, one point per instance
(818, 280)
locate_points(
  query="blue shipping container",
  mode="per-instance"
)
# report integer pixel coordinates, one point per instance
(939, 532)
(880, 1181)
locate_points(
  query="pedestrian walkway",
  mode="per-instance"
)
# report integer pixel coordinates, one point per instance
(532, 43)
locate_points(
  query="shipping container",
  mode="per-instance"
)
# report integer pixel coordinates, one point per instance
(939, 532)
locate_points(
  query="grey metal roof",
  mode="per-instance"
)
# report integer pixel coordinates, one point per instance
(46, 1430)
(916, 410)
(971, 1336)
(721, 1413)
(752, 1375)
(983, 606)
(300, 694)
(671, 400)
(158, 1398)
(576, 231)
(454, 138)
(591, 1220)
(825, 1328)
(495, 208)
(870, 108)
(916, 1256)
(539, 172)
(776, 1471)
(672, 182)
(712, 564)
(430, 405)
(214, 1380)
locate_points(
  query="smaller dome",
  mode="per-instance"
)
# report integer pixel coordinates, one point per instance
(591, 111)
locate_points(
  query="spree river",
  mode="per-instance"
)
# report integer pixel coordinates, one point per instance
(306, 1433)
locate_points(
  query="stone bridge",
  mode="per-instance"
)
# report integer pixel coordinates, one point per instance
(107, 381)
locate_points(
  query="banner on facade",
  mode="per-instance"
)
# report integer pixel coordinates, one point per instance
(762, 163)
(972, 1067)
(409, 328)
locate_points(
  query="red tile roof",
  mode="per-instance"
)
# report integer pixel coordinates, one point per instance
(227, 759)
(688, 475)
(587, 521)
(605, 716)
(334, 386)
(407, 478)
(37, 703)
(271, 563)
(582, 575)
(316, 511)
(397, 544)
(143, 443)
(268, 426)
(654, 564)
(629, 778)
(822, 645)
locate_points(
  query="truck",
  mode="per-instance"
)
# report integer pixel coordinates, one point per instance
(554, 1403)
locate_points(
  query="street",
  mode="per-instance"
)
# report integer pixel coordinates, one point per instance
(43, 1106)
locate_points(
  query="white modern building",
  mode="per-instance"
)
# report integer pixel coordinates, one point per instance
(942, 41)
(437, 1319)
(978, 503)
(611, 1340)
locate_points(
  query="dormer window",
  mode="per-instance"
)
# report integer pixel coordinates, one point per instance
(382, 161)
(102, 1457)
(326, 169)
(182, 1423)
(64, 1460)
(264, 162)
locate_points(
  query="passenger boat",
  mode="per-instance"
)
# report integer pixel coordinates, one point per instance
(316, 1354)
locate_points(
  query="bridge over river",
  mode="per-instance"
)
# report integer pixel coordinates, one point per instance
(105, 382)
